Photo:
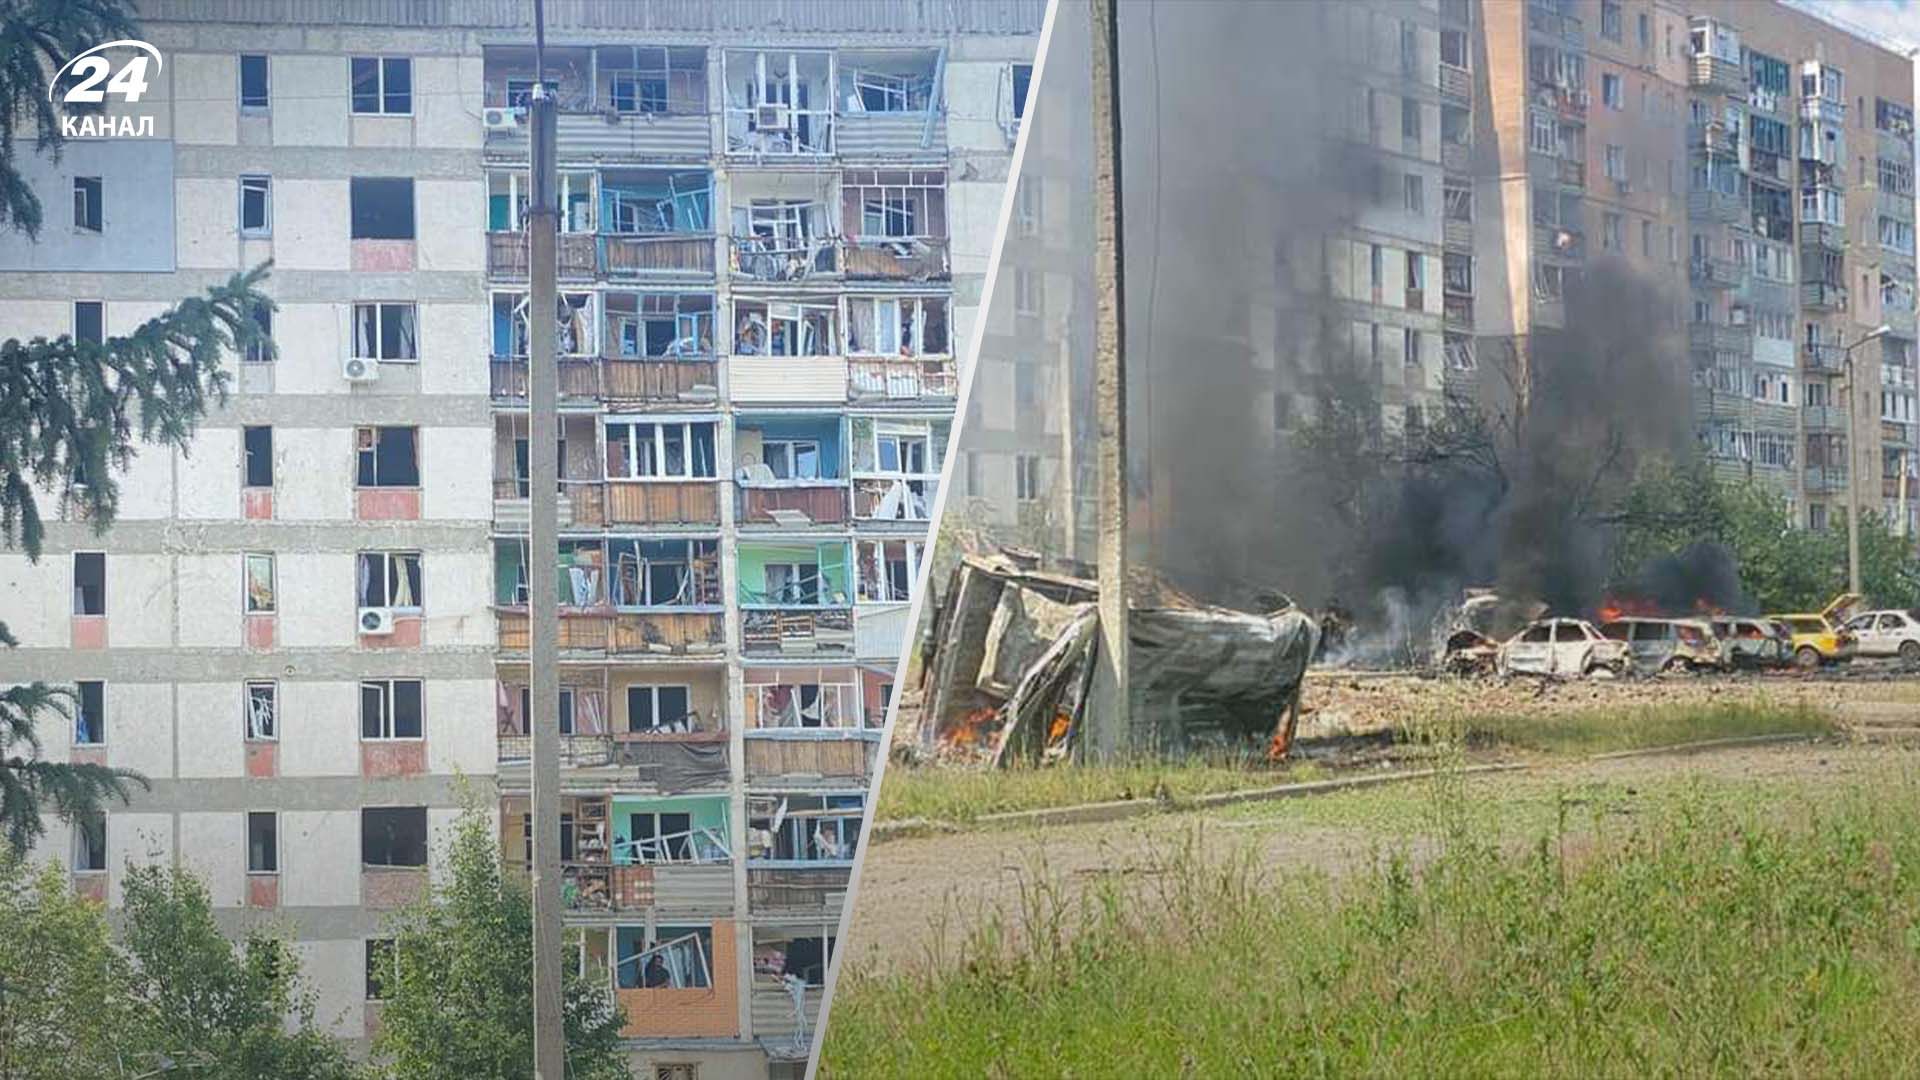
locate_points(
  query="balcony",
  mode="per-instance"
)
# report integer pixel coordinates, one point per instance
(1718, 206)
(811, 891)
(1456, 83)
(1715, 137)
(1571, 172)
(629, 257)
(767, 259)
(1457, 233)
(871, 379)
(1720, 338)
(793, 503)
(507, 256)
(1714, 273)
(1830, 359)
(696, 633)
(913, 259)
(608, 136)
(1823, 296)
(894, 498)
(599, 504)
(874, 136)
(1826, 419)
(835, 760)
(1894, 204)
(1559, 241)
(613, 749)
(1555, 24)
(1820, 110)
(1820, 234)
(1709, 72)
(1890, 488)
(1456, 157)
(1897, 434)
(1457, 312)
(612, 379)
(1827, 479)
(796, 631)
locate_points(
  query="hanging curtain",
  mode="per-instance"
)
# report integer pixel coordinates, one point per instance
(591, 719)
(365, 575)
(402, 584)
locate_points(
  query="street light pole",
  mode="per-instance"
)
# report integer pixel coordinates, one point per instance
(1853, 466)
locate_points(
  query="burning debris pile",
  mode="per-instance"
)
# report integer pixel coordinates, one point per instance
(1011, 668)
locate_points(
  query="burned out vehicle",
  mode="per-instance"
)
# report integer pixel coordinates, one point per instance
(1564, 647)
(1751, 643)
(1668, 644)
(1467, 651)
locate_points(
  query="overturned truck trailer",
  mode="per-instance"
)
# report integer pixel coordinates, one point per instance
(1011, 661)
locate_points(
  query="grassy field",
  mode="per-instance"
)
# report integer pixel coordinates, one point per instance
(1750, 927)
(960, 796)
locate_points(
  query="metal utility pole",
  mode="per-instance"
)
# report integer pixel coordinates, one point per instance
(1112, 703)
(543, 560)
(1853, 466)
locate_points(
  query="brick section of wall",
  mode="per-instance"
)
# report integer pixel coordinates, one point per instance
(383, 759)
(386, 888)
(711, 1013)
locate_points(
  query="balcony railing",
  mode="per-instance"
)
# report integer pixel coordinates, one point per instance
(612, 379)
(1720, 338)
(916, 259)
(1714, 137)
(1824, 418)
(1823, 295)
(1826, 478)
(896, 499)
(1715, 273)
(1718, 206)
(822, 502)
(684, 633)
(900, 379)
(1544, 20)
(643, 256)
(841, 759)
(1457, 311)
(1456, 157)
(758, 258)
(1820, 110)
(1831, 359)
(612, 748)
(1717, 73)
(1456, 233)
(507, 256)
(1456, 83)
(1569, 171)
(1822, 234)
(596, 135)
(1559, 241)
(810, 890)
(796, 631)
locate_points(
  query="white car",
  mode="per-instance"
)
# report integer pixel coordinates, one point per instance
(1562, 647)
(1887, 633)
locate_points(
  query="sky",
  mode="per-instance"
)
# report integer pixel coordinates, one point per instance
(1896, 20)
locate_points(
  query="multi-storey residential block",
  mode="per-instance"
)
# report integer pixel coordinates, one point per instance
(773, 245)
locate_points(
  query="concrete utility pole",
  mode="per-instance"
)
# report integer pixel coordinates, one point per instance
(1853, 464)
(1111, 713)
(543, 560)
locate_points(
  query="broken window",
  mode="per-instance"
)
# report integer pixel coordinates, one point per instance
(785, 329)
(1453, 48)
(389, 579)
(390, 709)
(897, 326)
(253, 81)
(260, 350)
(263, 711)
(779, 102)
(1026, 477)
(665, 958)
(382, 85)
(639, 93)
(898, 452)
(654, 203)
(89, 583)
(89, 712)
(90, 322)
(386, 457)
(1456, 273)
(879, 91)
(1458, 202)
(381, 208)
(1459, 352)
(263, 842)
(659, 324)
(805, 957)
(260, 583)
(791, 583)
(806, 828)
(88, 210)
(256, 205)
(90, 842)
(386, 332)
(660, 708)
(662, 573)
(1022, 80)
(257, 471)
(393, 835)
(887, 568)
(383, 968)
(639, 450)
(882, 204)
(803, 705)
(792, 459)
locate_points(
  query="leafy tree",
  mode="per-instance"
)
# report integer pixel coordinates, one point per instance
(63, 1010)
(232, 1012)
(71, 412)
(461, 1006)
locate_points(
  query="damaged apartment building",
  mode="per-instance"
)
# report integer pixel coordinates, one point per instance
(772, 247)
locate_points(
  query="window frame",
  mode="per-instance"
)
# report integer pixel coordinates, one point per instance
(81, 712)
(265, 102)
(659, 457)
(271, 604)
(77, 595)
(264, 184)
(89, 205)
(378, 343)
(380, 91)
(652, 694)
(273, 851)
(387, 723)
(360, 451)
(101, 305)
(247, 727)
(391, 561)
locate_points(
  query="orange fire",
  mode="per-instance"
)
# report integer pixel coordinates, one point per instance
(1062, 723)
(976, 729)
(1622, 607)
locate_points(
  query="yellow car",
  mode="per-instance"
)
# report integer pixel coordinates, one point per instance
(1820, 638)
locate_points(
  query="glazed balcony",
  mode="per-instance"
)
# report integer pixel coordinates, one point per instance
(792, 503)
(1823, 296)
(696, 633)
(586, 379)
(909, 259)
(871, 379)
(785, 630)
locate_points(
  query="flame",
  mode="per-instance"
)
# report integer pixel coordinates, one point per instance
(1062, 723)
(1622, 607)
(976, 729)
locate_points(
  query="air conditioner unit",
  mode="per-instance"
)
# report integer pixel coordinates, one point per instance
(376, 621)
(359, 369)
(501, 118)
(772, 117)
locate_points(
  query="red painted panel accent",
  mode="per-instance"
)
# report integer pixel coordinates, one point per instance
(406, 635)
(382, 759)
(258, 503)
(389, 887)
(88, 755)
(382, 255)
(263, 890)
(89, 631)
(262, 631)
(263, 760)
(387, 504)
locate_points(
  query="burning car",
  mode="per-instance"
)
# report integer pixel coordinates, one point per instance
(1469, 652)
(1563, 647)
(1753, 643)
(1820, 638)
(1668, 644)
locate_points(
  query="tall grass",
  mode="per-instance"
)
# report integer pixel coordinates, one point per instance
(963, 795)
(1701, 936)
(1644, 727)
